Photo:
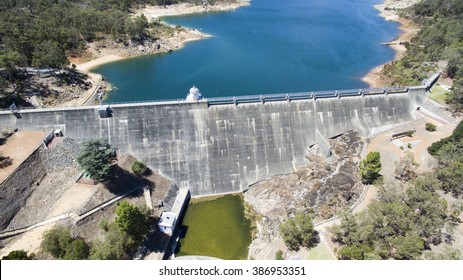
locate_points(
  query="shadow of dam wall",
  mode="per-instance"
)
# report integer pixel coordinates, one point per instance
(223, 148)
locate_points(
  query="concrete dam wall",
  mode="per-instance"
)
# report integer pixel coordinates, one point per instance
(223, 148)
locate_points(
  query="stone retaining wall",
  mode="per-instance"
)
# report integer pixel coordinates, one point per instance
(15, 190)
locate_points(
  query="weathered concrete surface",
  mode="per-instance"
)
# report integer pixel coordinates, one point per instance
(223, 148)
(322, 186)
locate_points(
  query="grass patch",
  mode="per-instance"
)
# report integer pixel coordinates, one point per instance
(320, 252)
(438, 94)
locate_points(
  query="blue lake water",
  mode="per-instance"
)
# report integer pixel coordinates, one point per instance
(271, 46)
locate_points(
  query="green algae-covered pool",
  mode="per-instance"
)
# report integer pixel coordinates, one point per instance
(216, 227)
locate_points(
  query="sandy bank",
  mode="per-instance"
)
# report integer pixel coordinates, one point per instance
(389, 11)
(107, 51)
(87, 66)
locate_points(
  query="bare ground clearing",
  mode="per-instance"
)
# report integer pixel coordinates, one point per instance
(19, 147)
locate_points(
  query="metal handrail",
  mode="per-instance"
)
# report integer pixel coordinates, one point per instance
(262, 97)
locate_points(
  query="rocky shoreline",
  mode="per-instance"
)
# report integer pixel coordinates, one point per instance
(390, 11)
(106, 51)
(174, 38)
(169, 39)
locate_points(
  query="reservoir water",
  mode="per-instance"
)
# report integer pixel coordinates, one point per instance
(271, 46)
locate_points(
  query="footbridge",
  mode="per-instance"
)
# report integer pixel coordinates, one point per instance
(221, 145)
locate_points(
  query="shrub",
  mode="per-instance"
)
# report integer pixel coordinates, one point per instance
(279, 255)
(18, 255)
(56, 240)
(430, 127)
(5, 161)
(104, 225)
(405, 169)
(139, 168)
(60, 244)
(354, 252)
(77, 250)
(456, 136)
(115, 245)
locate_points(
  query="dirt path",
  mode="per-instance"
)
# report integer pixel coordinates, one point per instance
(371, 195)
(29, 241)
(74, 199)
(392, 151)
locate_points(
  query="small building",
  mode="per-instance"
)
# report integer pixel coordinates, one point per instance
(169, 219)
(167, 222)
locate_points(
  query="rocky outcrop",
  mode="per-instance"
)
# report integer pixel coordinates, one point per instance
(321, 187)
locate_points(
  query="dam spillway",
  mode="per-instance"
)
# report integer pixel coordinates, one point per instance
(224, 148)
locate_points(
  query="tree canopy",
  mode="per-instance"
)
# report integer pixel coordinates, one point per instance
(95, 157)
(18, 255)
(299, 231)
(115, 245)
(37, 33)
(49, 54)
(370, 167)
(56, 240)
(440, 38)
(400, 225)
(449, 153)
(123, 235)
(406, 167)
(131, 220)
(61, 245)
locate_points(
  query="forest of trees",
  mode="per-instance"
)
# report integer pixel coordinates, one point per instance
(402, 224)
(40, 32)
(120, 238)
(440, 38)
(411, 216)
(43, 33)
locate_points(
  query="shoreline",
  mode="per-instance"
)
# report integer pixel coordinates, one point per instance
(388, 11)
(158, 12)
(374, 78)
(86, 67)
(178, 41)
(102, 54)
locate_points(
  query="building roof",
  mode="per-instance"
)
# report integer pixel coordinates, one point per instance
(167, 219)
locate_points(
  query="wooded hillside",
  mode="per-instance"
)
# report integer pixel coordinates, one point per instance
(440, 38)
